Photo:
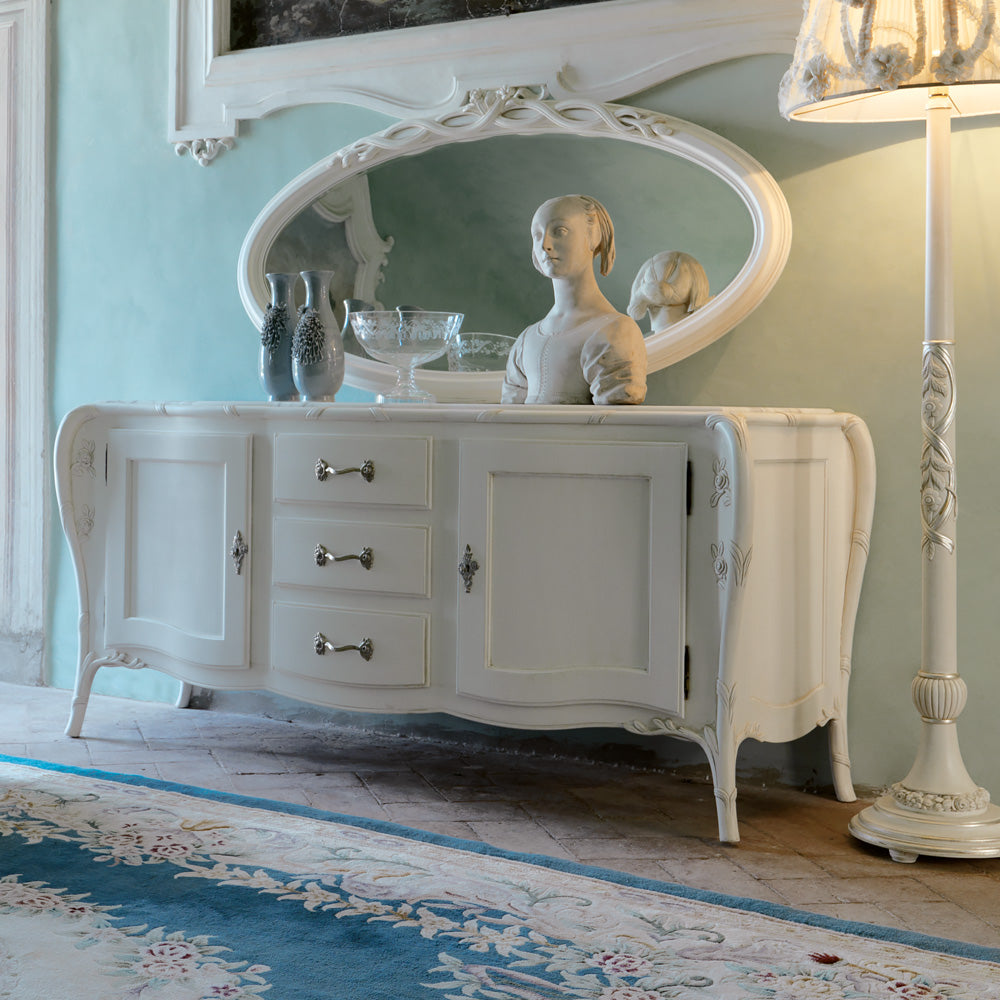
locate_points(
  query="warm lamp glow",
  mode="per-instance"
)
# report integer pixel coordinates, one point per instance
(876, 60)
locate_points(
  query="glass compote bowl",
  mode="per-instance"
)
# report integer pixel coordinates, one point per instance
(405, 339)
(479, 352)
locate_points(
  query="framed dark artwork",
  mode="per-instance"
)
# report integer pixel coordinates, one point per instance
(260, 23)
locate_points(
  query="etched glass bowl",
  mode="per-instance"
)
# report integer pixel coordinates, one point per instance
(405, 339)
(479, 352)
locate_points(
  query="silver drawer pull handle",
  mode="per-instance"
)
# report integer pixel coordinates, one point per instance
(325, 470)
(323, 555)
(321, 644)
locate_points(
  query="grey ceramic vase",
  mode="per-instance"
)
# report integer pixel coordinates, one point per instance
(275, 362)
(317, 347)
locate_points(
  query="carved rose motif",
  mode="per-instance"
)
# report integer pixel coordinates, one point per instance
(719, 564)
(83, 460)
(972, 802)
(721, 489)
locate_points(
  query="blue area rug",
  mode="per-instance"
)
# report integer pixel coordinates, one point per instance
(114, 887)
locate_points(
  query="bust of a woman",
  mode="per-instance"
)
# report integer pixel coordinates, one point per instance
(583, 350)
(669, 286)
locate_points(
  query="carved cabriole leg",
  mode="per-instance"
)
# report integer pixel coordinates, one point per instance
(724, 775)
(85, 674)
(721, 761)
(81, 693)
(840, 761)
(863, 453)
(732, 575)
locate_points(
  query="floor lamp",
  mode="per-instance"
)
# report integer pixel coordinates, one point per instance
(898, 60)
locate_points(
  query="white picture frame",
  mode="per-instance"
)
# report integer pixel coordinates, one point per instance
(595, 51)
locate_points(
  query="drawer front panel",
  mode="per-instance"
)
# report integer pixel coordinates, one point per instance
(328, 468)
(397, 556)
(399, 646)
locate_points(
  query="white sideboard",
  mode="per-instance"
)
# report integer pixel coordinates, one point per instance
(684, 572)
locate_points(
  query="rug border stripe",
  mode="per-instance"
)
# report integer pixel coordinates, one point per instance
(925, 942)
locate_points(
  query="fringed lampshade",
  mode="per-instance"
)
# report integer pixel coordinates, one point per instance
(876, 60)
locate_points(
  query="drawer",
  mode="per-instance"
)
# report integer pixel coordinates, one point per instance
(395, 558)
(336, 468)
(398, 655)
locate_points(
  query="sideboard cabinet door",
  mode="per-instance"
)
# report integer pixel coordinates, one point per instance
(178, 545)
(578, 591)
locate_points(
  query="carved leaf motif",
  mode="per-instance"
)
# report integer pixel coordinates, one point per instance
(937, 465)
(741, 563)
(705, 738)
(727, 698)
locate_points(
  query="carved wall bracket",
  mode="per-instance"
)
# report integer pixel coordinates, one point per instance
(203, 151)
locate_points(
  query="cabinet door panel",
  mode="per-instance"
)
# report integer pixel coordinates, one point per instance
(580, 593)
(176, 503)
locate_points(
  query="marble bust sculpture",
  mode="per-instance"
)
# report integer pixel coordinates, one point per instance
(583, 350)
(669, 286)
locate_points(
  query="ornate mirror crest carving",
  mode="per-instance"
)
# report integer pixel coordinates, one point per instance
(522, 112)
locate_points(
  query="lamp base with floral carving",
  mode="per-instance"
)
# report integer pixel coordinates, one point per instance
(909, 823)
(937, 809)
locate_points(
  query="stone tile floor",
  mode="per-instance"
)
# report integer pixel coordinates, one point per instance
(795, 848)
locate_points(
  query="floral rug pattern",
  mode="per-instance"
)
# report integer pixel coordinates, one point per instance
(140, 891)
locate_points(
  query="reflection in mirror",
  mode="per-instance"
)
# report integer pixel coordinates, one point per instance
(335, 233)
(457, 194)
(461, 214)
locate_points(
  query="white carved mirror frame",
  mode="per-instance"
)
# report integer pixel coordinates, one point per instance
(517, 111)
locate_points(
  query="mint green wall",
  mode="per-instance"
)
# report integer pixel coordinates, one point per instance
(144, 306)
(144, 245)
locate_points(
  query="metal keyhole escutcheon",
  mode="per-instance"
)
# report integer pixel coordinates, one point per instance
(467, 568)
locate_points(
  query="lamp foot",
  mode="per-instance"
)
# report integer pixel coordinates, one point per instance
(908, 833)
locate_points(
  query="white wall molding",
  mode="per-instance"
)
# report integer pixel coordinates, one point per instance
(597, 51)
(24, 468)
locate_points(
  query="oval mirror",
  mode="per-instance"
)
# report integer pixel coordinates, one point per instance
(457, 218)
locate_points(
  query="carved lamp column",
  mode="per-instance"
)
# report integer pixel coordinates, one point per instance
(897, 60)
